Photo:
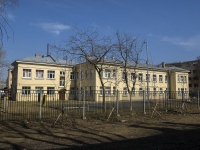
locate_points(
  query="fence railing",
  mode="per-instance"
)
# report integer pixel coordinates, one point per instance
(52, 105)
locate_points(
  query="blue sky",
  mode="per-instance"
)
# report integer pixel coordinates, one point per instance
(171, 27)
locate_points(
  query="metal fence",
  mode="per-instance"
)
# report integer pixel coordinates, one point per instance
(53, 105)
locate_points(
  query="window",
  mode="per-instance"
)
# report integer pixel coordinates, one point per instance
(133, 91)
(179, 92)
(133, 76)
(72, 76)
(125, 91)
(107, 91)
(91, 73)
(26, 90)
(51, 74)
(62, 81)
(86, 74)
(81, 75)
(50, 90)
(190, 85)
(166, 79)
(62, 73)
(140, 92)
(38, 90)
(123, 76)
(114, 74)
(40, 74)
(140, 77)
(114, 90)
(161, 91)
(154, 91)
(147, 77)
(154, 78)
(196, 85)
(160, 78)
(26, 73)
(107, 73)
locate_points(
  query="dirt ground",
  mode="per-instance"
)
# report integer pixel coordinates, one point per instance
(168, 131)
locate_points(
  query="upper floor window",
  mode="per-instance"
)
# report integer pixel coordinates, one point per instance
(26, 73)
(91, 73)
(133, 77)
(51, 74)
(72, 76)
(166, 78)
(40, 74)
(62, 73)
(147, 77)
(123, 76)
(140, 77)
(160, 78)
(154, 78)
(62, 81)
(107, 73)
(114, 74)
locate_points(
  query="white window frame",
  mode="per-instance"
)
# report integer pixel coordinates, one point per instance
(160, 78)
(26, 73)
(26, 90)
(39, 74)
(50, 74)
(50, 90)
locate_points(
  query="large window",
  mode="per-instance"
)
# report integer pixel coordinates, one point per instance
(51, 74)
(107, 91)
(38, 90)
(50, 90)
(62, 81)
(91, 73)
(40, 74)
(154, 78)
(133, 77)
(147, 77)
(160, 78)
(26, 73)
(26, 90)
(107, 73)
(125, 91)
(114, 74)
(140, 77)
(72, 76)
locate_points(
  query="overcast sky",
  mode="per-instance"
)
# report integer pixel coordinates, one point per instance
(171, 27)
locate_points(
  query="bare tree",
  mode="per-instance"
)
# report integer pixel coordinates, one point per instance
(129, 54)
(4, 4)
(93, 48)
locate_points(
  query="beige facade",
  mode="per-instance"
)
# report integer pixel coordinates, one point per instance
(45, 73)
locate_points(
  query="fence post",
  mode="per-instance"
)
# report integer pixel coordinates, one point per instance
(84, 104)
(117, 103)
(198, 99)
(144, 107)
(40, 111)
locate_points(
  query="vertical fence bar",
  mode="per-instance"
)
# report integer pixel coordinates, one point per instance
(84, 104)
(40, 101)
(117, 103)
(198, 100)
(144, 107)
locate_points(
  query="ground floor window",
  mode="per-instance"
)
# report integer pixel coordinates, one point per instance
(50, 90)
(26, 90)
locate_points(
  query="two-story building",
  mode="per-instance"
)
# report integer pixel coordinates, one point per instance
(32, 75)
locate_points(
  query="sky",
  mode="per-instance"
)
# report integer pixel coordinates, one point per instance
(171, 27)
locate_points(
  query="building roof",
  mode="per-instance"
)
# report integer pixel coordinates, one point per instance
(43, 60)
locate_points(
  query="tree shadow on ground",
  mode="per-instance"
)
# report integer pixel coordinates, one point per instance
(168, 135)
